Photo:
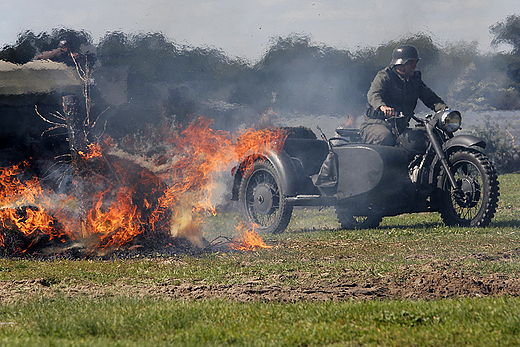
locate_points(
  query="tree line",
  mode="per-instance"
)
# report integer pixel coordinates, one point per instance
(294, 76)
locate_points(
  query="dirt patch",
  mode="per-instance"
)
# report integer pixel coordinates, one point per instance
(449, 284)
(425, 285)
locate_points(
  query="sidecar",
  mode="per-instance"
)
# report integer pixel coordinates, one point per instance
(363, 182)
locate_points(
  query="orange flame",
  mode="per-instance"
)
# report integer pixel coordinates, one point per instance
(24, 205)
(94, 150)
(13, 190)
(260, 141)
(119, 224)
(175, 188)
(248, 240)
(201, 153)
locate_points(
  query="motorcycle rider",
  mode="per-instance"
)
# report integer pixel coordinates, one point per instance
(62, 54)
(394, 92)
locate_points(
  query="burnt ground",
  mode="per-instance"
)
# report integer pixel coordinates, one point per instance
(435, 283)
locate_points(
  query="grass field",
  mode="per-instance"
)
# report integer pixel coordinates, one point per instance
(411, 282)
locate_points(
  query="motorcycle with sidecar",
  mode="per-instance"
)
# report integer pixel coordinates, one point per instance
(429, 170)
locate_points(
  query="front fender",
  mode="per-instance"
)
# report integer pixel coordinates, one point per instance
(283, 165)
(461, 141)
(464, 141)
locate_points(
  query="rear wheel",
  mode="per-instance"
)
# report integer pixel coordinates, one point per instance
(476, 200)
(351, 221)
(262, 203)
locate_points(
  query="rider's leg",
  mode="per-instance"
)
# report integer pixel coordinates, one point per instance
(377, 134)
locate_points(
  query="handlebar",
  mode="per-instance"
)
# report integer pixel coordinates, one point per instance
(395, 117)
(417, 119)
(401, 115)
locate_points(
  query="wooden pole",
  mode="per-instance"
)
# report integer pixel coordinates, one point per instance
(75, 117)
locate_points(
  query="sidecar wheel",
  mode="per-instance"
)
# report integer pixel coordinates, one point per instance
(349, 221)
(261, 200)
(477, 179)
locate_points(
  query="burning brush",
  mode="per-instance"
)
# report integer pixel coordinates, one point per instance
(247, 240)
(122, 198)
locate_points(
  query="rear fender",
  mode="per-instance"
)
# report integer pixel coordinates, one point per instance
(281, 162)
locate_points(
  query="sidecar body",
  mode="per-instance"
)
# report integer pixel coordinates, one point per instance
(343, 172)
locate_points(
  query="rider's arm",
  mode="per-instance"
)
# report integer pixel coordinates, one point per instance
(429, 98)
(376, 93)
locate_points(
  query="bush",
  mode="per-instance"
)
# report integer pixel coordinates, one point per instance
(501, 147)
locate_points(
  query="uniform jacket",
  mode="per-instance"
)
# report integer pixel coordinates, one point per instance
(389, 89)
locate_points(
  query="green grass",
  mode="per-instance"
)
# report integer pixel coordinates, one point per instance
(312, 249)
(135, 322)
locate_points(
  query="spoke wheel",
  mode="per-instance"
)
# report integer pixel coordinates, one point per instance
(475, 201)
(262, 203)
(350, 221)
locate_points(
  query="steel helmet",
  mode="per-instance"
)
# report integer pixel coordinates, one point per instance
(402, 54)
(64, 43)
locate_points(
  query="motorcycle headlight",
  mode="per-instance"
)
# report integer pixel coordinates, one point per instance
(451, 120)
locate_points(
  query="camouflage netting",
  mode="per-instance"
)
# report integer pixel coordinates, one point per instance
(37, 77)
(36, 84)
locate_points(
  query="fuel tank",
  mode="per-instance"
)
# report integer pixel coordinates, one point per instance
(378, 171)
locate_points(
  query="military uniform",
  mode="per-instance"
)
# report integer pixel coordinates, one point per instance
(59, 55)
(392, 90)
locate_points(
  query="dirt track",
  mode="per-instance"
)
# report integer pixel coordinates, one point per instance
(425, 285)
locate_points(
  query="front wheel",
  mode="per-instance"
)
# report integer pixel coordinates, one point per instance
(350, 221)
(261, 200)
(475, 201)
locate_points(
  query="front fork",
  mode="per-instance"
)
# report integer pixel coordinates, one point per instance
(442, 157)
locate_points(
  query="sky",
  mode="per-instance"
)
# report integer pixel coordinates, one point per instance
(245, 28)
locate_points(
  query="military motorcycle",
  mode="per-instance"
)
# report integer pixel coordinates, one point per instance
(429, 170)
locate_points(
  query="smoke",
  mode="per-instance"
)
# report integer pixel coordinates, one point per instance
(147, 78)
